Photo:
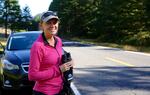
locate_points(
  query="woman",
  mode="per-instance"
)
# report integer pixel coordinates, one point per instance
(45, 67)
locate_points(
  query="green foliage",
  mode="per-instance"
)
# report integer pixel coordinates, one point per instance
(76, 16)
(12, 17)
(139, 39)
(120, 21)
(12, 13)
(35, 22)
(26, 19)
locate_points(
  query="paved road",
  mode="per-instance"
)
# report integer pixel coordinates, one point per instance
(109, 71)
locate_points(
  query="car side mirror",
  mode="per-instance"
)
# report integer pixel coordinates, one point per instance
(1, 49)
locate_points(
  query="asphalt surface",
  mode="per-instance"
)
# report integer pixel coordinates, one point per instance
(110, 71)
(106, 71)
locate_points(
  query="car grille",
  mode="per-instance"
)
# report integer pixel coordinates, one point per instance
(25, 67)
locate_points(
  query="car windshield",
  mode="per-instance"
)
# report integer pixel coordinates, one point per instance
(22, 42)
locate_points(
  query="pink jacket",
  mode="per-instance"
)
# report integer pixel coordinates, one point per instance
(44, 66)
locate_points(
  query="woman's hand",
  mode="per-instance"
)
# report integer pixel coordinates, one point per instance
(66, 66)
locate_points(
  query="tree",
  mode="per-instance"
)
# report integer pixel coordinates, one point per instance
(106, 20)
(26, 18)
(1, 12)
(10, 13)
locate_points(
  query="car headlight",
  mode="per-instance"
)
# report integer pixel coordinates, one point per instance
(9, 66)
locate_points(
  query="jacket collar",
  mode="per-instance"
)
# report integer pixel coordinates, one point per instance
(46, 42)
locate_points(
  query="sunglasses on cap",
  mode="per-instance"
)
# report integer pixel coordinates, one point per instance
(49, 15)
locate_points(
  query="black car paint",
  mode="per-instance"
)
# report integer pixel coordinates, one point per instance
(18, 77)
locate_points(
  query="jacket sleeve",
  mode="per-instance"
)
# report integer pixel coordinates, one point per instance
(34, 73)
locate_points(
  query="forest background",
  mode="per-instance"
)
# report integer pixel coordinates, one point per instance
(118, 22)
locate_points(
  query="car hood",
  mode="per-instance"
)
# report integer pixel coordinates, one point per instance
(18, 56)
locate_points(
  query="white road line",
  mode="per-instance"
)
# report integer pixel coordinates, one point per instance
(74, 88)
(141, 53)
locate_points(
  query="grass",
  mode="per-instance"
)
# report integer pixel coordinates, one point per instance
(2, 36)
(3, 41)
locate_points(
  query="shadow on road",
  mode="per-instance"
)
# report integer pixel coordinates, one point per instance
(75, 44)
(107, 79)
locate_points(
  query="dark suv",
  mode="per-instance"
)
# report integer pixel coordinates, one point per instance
(14, 60)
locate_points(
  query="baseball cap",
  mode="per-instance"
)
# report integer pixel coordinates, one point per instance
(46, 16)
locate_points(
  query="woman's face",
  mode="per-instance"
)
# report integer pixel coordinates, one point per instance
(50, 26)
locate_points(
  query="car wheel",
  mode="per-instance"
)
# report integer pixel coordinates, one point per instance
(1, 89)
(1, 92)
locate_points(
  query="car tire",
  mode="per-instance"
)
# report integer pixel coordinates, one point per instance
(2, 90)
